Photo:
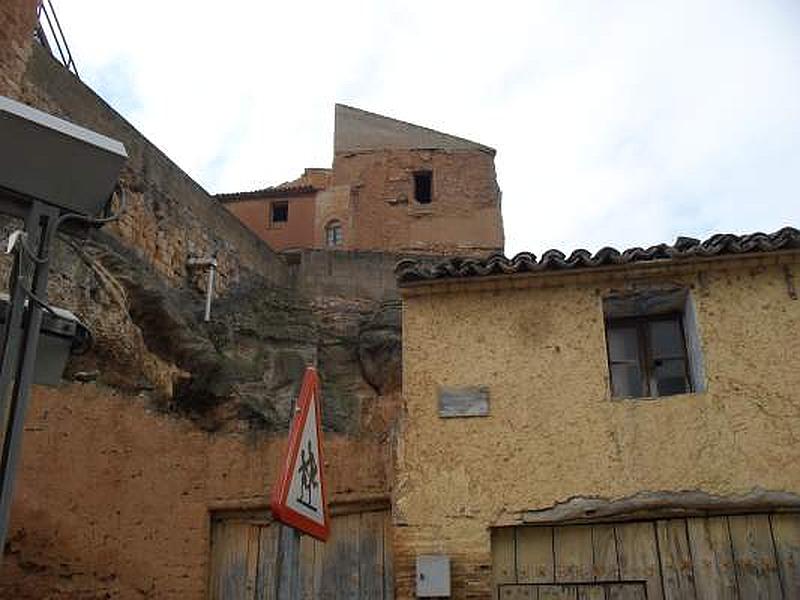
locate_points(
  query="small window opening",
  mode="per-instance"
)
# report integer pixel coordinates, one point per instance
(279, 212)
(333, 234)
(423, 186)
(652, 344)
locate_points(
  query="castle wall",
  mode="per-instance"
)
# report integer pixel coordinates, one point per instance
(168, 214)
(17, 22)
(462, 218)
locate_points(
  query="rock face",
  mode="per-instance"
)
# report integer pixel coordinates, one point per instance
(245, 365)
(132, 286)
(380, 348)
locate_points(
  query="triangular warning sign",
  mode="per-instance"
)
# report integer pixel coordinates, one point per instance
(299, 499)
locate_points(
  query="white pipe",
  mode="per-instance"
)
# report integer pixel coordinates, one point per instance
(210, 290)
(211, 263)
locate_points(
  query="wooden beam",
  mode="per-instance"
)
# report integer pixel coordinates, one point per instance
(655, 505)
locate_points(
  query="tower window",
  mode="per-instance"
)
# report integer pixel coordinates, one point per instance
(279, 212)
(423, 186)
(333, 234)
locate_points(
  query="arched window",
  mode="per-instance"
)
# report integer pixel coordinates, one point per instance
(333, 233)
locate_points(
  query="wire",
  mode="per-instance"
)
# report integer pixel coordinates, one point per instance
(123, 200)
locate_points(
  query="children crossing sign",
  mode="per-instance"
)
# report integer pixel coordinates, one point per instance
(299, 498)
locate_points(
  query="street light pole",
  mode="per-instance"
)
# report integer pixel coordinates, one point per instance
(28, 291)
(51, 171)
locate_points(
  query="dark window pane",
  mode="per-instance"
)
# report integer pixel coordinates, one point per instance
(626, 381)
(280, 212)
(666, 339)
(623, 344)
(423, 186)
(669, 377)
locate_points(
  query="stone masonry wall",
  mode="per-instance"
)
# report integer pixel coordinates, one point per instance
(346, 274)
(463, 217)
(554, 433)
(168, 214)
(17, 22)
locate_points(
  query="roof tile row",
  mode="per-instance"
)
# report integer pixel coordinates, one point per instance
(410, 271)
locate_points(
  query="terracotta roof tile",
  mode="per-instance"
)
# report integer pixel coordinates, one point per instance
(410, 271)
(277, 191)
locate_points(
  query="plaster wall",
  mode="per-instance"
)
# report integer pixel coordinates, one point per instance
(554, 432)
(113, 499)
(296, 232)
(463, 217)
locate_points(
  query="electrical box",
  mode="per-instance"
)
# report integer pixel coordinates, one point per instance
(433, 576)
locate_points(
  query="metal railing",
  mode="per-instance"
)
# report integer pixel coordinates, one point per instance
(49, 34)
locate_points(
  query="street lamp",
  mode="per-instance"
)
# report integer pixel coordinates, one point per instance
(51, 172)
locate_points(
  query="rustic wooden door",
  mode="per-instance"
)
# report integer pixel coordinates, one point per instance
(740, 557)
(354, 564)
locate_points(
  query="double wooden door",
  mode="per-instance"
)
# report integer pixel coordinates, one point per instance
(740, 557)
(354, 564)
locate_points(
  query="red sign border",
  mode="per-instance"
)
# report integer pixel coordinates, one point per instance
(309, 390)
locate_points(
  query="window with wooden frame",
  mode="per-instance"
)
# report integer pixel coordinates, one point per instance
(652, 344)
(333, 234)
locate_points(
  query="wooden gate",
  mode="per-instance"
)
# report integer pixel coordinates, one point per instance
(739, 557)
(354, 564)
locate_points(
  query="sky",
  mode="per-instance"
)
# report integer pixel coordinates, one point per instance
(616, 123)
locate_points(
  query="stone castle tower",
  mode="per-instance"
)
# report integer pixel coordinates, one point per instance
(394, 186)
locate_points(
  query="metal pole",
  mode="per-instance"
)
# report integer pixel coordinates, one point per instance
(288, 580)
(15, 422)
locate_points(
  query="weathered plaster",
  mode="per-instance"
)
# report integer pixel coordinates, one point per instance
(554, 433)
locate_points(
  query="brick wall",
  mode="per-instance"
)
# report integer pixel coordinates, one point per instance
(462, 218)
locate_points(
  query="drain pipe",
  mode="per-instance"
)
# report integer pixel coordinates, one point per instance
(211, 263)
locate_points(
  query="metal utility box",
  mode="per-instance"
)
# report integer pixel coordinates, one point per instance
(50, 159)
(60, 334)
(433, 576)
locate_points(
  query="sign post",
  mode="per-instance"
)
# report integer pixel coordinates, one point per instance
(299, 499)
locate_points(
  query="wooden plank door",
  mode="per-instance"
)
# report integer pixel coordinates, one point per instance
(234, 558)
(741, 557)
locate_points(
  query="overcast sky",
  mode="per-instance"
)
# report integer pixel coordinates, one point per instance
(615, 123)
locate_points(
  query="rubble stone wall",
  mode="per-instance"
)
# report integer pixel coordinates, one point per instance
(169, 217)
(17, 22)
